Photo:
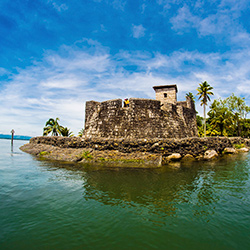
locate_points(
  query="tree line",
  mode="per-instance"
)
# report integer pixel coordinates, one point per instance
(226, 117)
(53, 127)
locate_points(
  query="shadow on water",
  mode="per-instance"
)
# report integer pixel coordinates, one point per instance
(15, 153)
(194, 188)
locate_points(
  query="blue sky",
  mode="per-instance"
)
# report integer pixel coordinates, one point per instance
(55, 55)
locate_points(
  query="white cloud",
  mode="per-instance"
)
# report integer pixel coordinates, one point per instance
(116, 4)
(58, 7)
(119, 4)
(63, 82)
(138, 31)
(143, 7)
(223, 23)
(3, 71)
(60, 84)
(184, 19)
(103, 28)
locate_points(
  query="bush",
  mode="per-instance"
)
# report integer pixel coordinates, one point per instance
(87, 156)
(238, 146)
(44, 153)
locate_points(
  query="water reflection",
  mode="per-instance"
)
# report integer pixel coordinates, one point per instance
(191, 190)
(193, 206)
(135, 187)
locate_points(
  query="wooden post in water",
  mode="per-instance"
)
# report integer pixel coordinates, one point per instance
(12, 138)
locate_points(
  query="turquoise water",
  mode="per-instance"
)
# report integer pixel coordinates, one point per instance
(46, 205)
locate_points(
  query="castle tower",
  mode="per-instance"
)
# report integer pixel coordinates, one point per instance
(166, 93)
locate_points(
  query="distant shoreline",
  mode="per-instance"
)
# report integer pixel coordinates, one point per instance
(16, 137)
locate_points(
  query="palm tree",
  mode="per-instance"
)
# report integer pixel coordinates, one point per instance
(66, 132)
(204, 91)
(191, 96)
(81, 132)
(52, 126)
(219, 116)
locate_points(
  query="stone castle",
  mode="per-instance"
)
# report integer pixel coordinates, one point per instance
(144, 118)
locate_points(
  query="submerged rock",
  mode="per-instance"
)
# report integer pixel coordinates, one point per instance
(174, 165)
(188, 157)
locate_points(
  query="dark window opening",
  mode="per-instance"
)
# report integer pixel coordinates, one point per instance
(165, 95)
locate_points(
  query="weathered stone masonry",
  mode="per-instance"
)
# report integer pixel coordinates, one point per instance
(193, 146)
(144, 118)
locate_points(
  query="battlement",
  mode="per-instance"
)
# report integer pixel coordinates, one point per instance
(144, 118)
(117, 103)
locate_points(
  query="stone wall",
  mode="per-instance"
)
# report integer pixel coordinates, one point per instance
(170, 92)
(144, 118)
(194, 146)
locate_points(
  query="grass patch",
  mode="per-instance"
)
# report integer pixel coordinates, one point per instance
(238, 146)
(102, 159)
(44, 153)
(87, 155)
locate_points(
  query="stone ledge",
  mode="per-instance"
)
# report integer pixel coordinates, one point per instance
(153, 152)
(193, 145)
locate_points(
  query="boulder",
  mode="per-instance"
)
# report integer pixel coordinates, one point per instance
(174, 157)
(210, 154)
(188, 157)
(229, 151)
(242, 150)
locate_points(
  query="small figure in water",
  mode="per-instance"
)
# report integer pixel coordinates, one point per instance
(126, 102)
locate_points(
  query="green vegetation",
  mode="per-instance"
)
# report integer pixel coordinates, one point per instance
(238, 146)
(80, 133)
(199, 121)
(52, 126)
(44, 153)
(191, 96)
(102, 159)
(66, 132)
(204, 91)
(87, 155)
(226, 117)
(219, 117)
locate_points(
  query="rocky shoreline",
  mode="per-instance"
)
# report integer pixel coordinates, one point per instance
(138, 152)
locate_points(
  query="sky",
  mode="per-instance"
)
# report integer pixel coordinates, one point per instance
(56, 55)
